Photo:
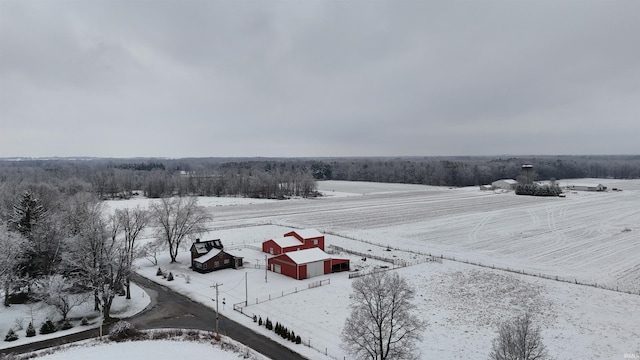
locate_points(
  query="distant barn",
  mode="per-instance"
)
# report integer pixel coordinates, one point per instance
(587, 187)
(506, 184)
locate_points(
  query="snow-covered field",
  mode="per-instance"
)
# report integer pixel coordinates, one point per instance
(463, 303)
(585, 237)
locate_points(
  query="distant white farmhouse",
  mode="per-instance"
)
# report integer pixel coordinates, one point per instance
(587, 187)
(507, 184)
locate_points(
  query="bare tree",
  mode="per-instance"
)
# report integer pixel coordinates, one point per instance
(381, 324)
(133, 221)
(96, 256)
(58, 291)
(519, 339)
(176, 218)
(11, 244)
(150, 250)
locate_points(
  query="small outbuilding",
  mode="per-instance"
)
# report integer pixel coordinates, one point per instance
(587, 187)
(307, 263)
(506, 184)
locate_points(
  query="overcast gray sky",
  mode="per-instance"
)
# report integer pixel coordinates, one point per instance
(318, 78)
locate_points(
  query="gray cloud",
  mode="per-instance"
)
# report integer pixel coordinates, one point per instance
(316, 78)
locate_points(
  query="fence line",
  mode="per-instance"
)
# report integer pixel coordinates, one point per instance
(574, 280)
(501, 268)
(239, 307)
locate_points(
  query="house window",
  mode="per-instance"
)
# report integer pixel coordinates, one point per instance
(203, 266)
(216, 264)
(226, 261)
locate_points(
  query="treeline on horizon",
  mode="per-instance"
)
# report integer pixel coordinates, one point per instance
(279, 178)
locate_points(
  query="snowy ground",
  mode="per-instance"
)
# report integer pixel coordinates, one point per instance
(585, 237)
(18, 316)
(153, 349)
(157, 350)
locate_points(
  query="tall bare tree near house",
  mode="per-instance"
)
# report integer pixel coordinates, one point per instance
(382, 324)
(132, 221)
(176, 218)
(519, 339)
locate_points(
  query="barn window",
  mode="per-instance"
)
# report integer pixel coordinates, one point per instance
(315, 242)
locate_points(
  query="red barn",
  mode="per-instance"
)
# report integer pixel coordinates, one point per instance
(307, 263)
(294, 241)
(309, 237)
(281, 245)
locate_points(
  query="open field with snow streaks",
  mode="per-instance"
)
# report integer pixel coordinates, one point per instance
(586, 237)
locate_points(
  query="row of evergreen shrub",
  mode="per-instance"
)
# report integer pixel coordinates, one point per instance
(47, 327)
(278, 329)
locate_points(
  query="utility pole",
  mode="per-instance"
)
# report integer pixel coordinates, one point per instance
(246, 290)
(266, 268)
(217, 312)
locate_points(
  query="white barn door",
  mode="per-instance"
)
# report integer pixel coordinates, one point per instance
(315, 269)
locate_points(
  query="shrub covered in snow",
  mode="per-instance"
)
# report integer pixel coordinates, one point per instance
(48, 327)
(31, 330)
(123, 330)
(66, 325)
(11, 336)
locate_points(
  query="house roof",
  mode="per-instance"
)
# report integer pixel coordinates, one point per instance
(308, 233)
(211, 254)
(203, 247)
(508, 181)
(287, 241)
(307, 256)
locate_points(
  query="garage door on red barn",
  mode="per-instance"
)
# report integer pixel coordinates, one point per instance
(315, 269)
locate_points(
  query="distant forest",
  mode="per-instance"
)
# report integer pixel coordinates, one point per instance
(279, 178)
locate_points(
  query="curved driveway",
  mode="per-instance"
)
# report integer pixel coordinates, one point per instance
(169, 309)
